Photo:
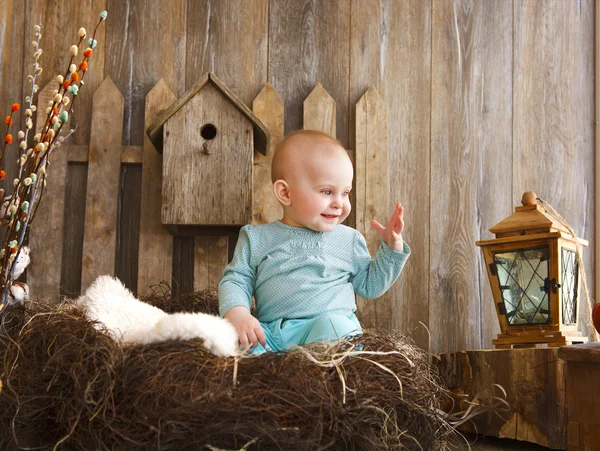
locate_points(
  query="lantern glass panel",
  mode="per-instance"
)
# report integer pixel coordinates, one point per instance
(521, 276)
(569, 284)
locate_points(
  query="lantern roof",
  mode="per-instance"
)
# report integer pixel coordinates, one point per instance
(531, 219)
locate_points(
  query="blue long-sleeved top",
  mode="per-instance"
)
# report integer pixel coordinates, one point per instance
(296, 272)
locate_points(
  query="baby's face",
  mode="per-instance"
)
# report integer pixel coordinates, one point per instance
(319, 189)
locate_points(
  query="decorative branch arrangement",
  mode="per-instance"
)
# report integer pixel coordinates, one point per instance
(33, 156)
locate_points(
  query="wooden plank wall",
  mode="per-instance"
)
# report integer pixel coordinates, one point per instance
(485, 99)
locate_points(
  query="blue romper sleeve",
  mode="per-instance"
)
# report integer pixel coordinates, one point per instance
(237, 285)
(373, 277)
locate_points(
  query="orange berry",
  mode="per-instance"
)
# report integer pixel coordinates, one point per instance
(87, 53)
(8, 120)
(15, 107)
(46, 138)
(83, 66)
(55, 110)
(66, 84)
(8, 139)
(2, 175)
(74, 77)
(13, 250)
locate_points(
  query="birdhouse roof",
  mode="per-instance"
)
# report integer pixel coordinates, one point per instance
(261, 132)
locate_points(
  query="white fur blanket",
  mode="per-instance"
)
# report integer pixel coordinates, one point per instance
(129, 320)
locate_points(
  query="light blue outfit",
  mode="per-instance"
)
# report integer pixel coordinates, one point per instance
(304, 282)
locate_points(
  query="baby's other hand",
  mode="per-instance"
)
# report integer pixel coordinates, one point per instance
(392, 233)
(248, 328)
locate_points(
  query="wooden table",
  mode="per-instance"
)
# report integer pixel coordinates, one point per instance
(583, 395)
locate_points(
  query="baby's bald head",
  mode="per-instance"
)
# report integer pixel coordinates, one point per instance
(302, 147)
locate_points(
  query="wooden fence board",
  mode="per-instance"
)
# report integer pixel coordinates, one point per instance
(553, 106)
(269, 108)
(103, 184)
(470, 137)
(156, 243)
(46, 233)
(309, 43)
(319, 111)
(372, 187)
(391, 50)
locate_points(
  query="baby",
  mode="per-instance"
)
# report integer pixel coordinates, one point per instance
(305, 269)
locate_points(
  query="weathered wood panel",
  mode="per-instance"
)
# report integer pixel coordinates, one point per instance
(470, 161)
(269, 108)
(46, 233)
(309, 44)
(391, 50)
(230, 39)
(553, 103)
(155, 242)
(12, 38)
(60, 25)
(99, 244)
(146, 42)
(372, 180)
(72, 250)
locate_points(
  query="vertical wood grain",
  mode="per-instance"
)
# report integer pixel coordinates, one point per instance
(269, 108)
(309, 44)
(46, 232)
(13, 53)
(471, 161)
(60, 25)
(146, 42)
(155, 242)
(391, 50)
(229, 38)
(553, 111)
(372, 179)
(99, 244)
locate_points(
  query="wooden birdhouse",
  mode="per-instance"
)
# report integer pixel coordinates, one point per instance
(533, 267)
(207, 138)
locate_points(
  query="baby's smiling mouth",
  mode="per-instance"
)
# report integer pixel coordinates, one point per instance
(329, 216)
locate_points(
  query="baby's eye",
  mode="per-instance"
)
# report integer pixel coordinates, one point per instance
(327, 192)
(345, 193)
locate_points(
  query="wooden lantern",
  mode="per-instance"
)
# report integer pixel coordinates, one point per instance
(208, 138)
(534, 274)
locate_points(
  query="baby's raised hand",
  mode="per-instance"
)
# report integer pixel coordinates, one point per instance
(392, 233)
(248, 328)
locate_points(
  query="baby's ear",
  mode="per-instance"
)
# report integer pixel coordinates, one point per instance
(282, 192)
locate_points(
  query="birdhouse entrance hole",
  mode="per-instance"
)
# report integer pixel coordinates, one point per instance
(208, 131)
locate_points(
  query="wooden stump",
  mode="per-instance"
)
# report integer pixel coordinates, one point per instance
(534, 380)
(583, 395)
